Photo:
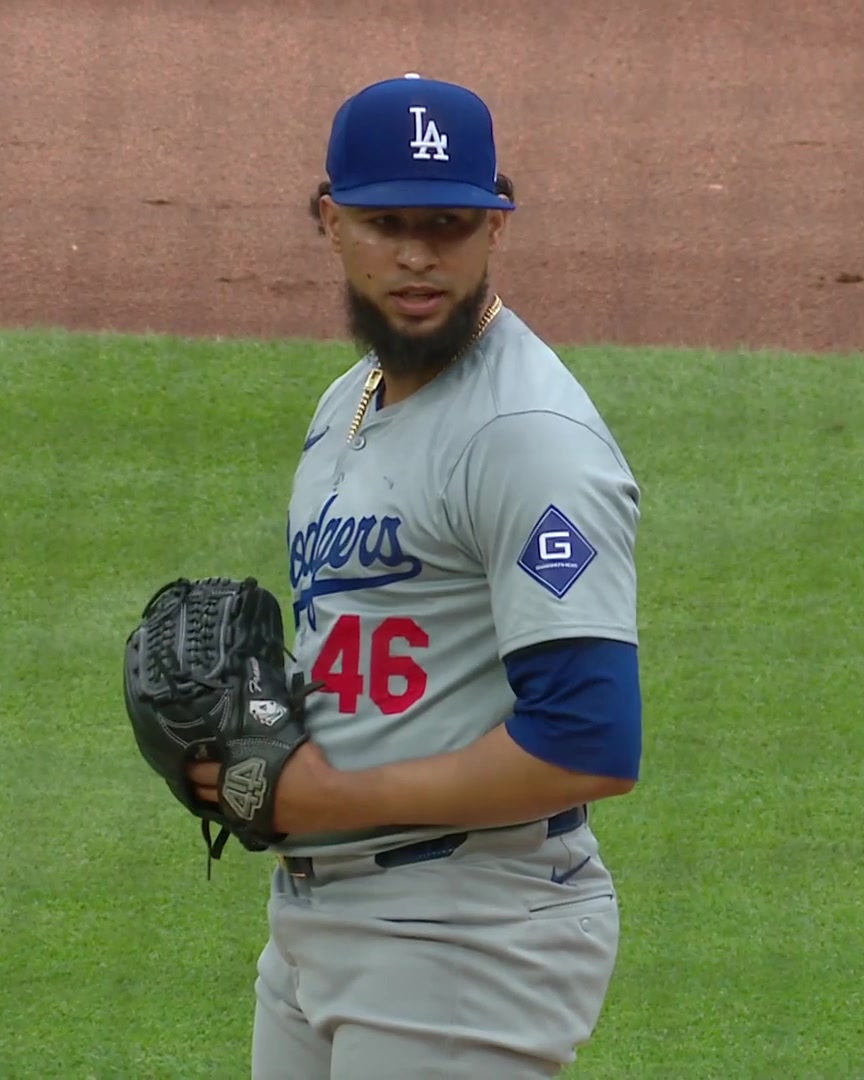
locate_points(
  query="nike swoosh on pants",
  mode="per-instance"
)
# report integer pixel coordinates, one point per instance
(565, 876)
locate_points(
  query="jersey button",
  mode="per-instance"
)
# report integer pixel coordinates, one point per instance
(359, 442)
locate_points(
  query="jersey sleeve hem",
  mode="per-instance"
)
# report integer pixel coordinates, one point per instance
(556, 633)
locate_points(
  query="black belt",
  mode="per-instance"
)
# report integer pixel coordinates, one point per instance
(441, 847)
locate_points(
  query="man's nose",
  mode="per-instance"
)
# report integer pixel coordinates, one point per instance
(416, 255)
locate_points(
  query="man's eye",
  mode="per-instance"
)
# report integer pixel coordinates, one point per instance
(392, 223)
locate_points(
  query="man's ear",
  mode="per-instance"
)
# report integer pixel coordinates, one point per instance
(331, 222)
(497, 226)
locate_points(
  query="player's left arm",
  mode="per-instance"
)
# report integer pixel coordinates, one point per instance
(574, 737)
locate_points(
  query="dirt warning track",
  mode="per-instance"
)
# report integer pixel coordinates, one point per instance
(692, 174)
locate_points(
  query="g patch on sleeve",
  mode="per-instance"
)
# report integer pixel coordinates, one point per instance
(556, 553)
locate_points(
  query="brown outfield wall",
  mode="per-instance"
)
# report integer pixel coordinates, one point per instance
(688, 172)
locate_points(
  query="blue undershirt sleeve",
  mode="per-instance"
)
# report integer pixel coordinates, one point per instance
(579, 705)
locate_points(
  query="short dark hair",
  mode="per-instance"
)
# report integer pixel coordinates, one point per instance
(503, 186)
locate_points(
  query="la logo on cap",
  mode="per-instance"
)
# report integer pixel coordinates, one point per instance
(428, 139)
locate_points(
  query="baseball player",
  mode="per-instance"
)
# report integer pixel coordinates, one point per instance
(461, 555)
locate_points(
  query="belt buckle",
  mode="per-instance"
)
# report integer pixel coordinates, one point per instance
(296, 867)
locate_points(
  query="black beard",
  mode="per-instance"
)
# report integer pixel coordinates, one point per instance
(408, 354)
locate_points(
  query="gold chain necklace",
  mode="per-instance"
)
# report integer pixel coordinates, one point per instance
(373, 379)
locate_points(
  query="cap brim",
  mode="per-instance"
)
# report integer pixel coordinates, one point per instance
(444, 194)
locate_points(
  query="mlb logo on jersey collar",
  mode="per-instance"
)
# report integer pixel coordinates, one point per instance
(556, 553)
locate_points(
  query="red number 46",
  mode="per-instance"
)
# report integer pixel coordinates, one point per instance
(338, 665)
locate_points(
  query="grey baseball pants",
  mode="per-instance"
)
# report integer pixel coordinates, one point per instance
(490, 964)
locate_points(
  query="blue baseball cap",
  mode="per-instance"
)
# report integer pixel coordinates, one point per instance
(414, 142)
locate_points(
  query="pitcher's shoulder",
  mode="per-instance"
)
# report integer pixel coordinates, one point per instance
(343, 392)
(518, 372)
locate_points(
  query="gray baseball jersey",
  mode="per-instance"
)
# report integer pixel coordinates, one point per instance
(487, 512)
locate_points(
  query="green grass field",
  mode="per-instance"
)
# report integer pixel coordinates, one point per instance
(739, 858)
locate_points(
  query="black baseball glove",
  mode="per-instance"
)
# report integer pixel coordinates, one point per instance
(205, 680)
